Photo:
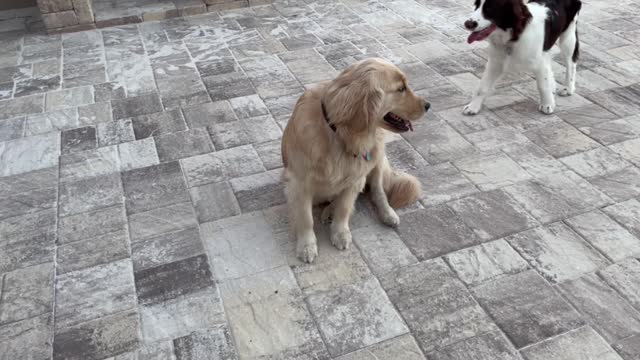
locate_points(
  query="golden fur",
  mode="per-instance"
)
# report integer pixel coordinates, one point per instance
(322, 165)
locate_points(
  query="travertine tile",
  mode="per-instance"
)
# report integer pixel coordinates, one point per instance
(491, 171)
(225, 238)
(27, 293)
(254, 305)
(355, 316)
(602, 307)
(545, 248)
(92, 293)
(606, 235)
(624, 277)
(575, 344)
(448, 313)
(526, 308)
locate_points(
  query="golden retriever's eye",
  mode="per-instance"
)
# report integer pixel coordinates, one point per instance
(402, 89)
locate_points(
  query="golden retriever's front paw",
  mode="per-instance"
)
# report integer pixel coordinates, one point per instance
(307, 251)
(341, 239)
(389, 217)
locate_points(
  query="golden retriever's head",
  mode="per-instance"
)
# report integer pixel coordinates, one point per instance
(369, 94)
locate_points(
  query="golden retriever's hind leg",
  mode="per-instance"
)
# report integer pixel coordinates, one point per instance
(378, 196)
(300, 208)
(342, 208)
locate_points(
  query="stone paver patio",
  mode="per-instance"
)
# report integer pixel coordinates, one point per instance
(142, 217)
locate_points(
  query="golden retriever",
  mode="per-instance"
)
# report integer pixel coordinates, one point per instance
(333, 145)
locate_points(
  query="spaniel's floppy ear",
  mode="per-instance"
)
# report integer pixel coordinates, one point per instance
(521, 16)
(353, 103)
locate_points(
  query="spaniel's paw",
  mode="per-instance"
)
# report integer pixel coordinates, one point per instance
(565, 91)
(472, 109)
(547, 108)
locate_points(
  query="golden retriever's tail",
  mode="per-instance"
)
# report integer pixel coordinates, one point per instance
(401, 188)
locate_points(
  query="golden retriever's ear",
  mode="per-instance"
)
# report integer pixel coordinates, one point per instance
(354, 102)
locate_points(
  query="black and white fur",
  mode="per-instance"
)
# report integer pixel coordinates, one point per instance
(523, 37)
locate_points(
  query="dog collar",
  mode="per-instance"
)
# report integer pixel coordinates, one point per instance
(366, 156)
(326, 117)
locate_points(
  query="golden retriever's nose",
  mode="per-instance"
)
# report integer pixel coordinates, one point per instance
(427, 106)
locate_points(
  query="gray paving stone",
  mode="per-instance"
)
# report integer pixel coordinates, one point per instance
(270, 154)
(620, 101)
(109, 91)
(355, 316)
(488, 346)
(228, 86)
(612, 132)
(154, 187)
(90, 194)
(434, 232)
(222, 165)
(161, 220)
(561, 139)
(526, 308)
(556, 196)
(137, 154)
(603, 308)
(486, 262)
(259, 191)
(628, 348)
(382, 248)
(95, 251)
(308, 66)
(100, 338)
(21, 106)
(89, 163)
(439, 142)
(51, 121)
(253, 306)
(183, 144)
(115, 132)
(227, 237)
(270, 77)
(94, 114)
(28, 338)
(493, 214)
(588, 115)
(214, 201)
(248, 106)
(27, 203)
(575, 344)
(623, 277)
(620, 186)
(204, 344)
(629, 150)
(172, 280)
(28, 154)
(545, 248)
(157, 124)
(447, 315)
(67, 98)
(442, 183)
(36, 85)
(27, 240)
(209, 114)
(79, 139)
(27, 293)
(596, 162)
(606, 235)
(25, 182)
(92, 293)
(627, 214)
(166, 248)
(403, 346)
(136, 106)
(491, 171)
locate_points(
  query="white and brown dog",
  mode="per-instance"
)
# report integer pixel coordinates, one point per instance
(520, 36)
(334, 144)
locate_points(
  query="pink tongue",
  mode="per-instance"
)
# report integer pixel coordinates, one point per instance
(481, 35)
(473, 37)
